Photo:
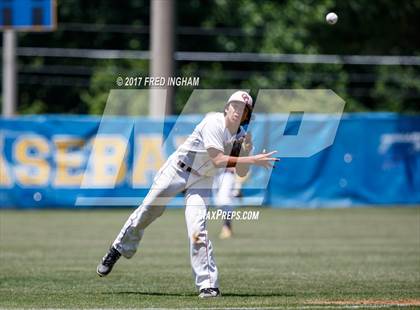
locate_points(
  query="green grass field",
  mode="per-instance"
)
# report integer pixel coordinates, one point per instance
(288, 258)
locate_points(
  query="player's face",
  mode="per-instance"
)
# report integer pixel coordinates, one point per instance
(236, 113)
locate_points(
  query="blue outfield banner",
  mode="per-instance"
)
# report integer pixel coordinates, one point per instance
(80, 161)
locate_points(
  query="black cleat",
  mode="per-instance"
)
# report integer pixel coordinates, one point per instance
(108, 262)
(209, 292)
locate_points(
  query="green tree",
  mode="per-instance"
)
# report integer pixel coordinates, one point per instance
(382, 27)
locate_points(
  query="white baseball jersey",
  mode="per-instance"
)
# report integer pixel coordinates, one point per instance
(211, 132)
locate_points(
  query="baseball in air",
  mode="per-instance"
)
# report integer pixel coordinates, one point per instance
(331, 18)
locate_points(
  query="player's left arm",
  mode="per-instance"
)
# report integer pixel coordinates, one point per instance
(220, 160)
(237, 155)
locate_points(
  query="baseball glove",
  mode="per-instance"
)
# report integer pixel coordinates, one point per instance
(239, 147)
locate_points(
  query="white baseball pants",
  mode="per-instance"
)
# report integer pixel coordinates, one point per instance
(169, 181)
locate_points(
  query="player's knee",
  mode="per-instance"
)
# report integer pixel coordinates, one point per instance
(198, 239)
(155, 211)
(150, 213)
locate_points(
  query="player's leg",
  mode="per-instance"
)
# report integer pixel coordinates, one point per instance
(201, 250)
(224, 200)
(152, 207)
(167, 184)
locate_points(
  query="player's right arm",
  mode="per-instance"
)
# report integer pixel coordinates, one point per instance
(212, 133)
(221, 160)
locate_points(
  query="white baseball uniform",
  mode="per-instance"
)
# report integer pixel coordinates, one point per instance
(188, 169)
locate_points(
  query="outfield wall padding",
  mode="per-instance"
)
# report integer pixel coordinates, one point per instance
(48, 161)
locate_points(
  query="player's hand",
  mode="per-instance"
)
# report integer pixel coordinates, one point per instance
(265, 160)
(248, 143)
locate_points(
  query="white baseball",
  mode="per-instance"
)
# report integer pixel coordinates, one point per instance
(331, 18)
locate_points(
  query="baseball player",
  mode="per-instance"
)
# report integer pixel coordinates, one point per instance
(190, 169)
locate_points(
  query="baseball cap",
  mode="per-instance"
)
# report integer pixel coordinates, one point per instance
(241, 96)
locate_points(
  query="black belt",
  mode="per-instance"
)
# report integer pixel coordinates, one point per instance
(187, 168)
